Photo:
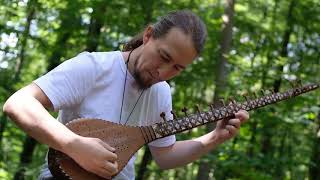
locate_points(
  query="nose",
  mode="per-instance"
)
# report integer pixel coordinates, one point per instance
(160, 68)
(166, 73)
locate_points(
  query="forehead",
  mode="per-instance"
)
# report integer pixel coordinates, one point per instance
(178, 45)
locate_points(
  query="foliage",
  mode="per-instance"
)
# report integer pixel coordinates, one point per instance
(59, 30)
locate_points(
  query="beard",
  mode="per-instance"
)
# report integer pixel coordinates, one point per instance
(142, 83)
(141, 80)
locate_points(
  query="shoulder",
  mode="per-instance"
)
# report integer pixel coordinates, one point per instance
(104, 59)
(110, 55)
(162, 93)
(102, 63)
(161, 88)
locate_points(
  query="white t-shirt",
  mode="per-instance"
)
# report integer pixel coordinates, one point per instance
(90, 85)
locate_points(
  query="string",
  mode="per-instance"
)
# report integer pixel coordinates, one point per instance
(124, 90)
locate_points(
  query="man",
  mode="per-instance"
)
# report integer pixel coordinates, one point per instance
(124, 87)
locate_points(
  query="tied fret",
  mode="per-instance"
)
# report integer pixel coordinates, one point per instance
(166, 128)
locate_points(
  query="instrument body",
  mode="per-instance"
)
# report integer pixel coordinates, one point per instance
(127, 139)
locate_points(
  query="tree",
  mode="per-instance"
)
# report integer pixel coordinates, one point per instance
(222, 72)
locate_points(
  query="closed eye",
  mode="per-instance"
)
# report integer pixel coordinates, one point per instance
(165, 59)
(164, 55)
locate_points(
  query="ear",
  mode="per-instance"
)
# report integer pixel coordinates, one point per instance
(147, 34)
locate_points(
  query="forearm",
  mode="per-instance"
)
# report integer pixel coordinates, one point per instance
(33, 118)
(184, 152)
(27, 109)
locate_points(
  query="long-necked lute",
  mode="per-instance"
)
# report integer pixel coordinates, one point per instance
(128, 139)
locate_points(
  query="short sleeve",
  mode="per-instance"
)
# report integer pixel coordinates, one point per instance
(68, 83)
(165, 106)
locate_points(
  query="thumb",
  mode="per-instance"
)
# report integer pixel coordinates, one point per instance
(222, 123)
(108, 147)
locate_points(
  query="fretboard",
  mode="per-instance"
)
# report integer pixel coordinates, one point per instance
(191, 121)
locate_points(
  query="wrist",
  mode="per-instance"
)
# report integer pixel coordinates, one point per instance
(70, 143)
(215, 138)
(210, 141)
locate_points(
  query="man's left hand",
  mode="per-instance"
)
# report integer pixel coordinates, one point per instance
(227, 129)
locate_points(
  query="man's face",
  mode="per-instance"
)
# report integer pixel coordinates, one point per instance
(163, 58)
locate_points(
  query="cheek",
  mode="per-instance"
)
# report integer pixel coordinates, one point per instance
(148, 62)
(151, 56)
(168, 74)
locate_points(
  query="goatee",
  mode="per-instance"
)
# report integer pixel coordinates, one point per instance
(137, 76)
(142, 85)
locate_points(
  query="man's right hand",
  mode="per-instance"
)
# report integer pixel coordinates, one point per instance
(27, 108)
(93, 155)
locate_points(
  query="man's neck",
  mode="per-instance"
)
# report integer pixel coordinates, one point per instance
(133, 58)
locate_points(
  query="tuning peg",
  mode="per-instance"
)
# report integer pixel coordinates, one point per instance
(231, 100)
(245, 96)
(292, 84)
(222, 102)
(299, 83)
(197, 108)
(163, 116)
(272, 91)
(174, 115)
(185, 111)
(211, 106)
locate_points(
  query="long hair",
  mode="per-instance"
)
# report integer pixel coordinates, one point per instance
(185, 20)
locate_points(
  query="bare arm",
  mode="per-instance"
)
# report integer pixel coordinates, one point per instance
(27, 108)
(184, 152)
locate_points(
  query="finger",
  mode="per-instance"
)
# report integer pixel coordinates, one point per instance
(110, 156)
(235, 122)
(232, 130)
(242, 115)
(108, 147)
(220, 124)
(111, 167)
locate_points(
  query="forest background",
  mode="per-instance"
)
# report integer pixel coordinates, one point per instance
(251, 45)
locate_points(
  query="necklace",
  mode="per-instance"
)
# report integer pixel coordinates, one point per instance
(124, 90)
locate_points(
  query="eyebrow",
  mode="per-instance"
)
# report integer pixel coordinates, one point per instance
(169, 56)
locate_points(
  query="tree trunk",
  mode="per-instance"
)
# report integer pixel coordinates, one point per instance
(146, 159)
(30, 143)
(314, 167)
(25, 157)
(96, 23)
(30, 12)
(31, 9)
(285, 42)
(266, 138)
(221, 72)
(266, 144)
(147, 6)
(253, 124)
(69, 22)
(279, 172)
(252, 141)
